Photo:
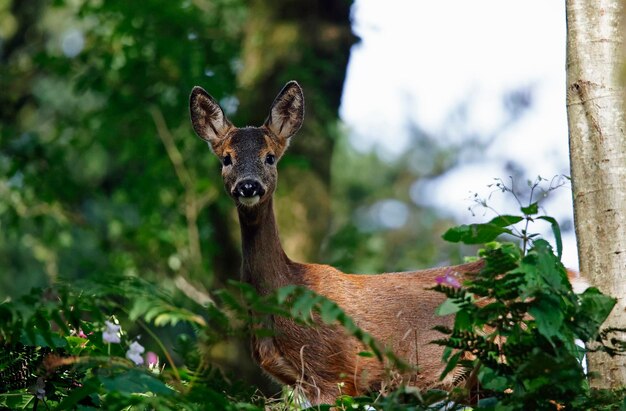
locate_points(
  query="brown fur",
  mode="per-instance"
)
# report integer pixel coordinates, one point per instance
(396, 308)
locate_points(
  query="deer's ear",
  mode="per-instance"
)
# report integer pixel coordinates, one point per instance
(207, 117)
(287, 111)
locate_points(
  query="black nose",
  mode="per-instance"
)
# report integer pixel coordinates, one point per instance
(249, 188)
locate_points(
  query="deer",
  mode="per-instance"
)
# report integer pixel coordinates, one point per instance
(398, 309)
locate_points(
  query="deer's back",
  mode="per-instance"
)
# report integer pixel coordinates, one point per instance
(398, 309)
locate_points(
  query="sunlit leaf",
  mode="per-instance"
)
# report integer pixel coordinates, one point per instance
(532, 209)
(447, 307)
(506, 220)
(475, 233)
(557, 234)
(594, 308)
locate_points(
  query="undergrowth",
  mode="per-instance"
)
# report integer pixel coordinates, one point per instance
(516, 337)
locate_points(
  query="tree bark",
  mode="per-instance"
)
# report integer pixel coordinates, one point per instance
(598, 160)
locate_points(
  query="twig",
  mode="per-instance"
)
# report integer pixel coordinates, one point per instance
(184, 176)
(192, 292)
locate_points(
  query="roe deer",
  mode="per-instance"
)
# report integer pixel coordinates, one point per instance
(396, 308)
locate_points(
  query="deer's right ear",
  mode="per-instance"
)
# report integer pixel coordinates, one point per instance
(207, 117)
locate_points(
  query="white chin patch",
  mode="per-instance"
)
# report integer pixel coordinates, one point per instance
(249, 201)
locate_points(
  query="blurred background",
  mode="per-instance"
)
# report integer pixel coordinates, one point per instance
(411, 108)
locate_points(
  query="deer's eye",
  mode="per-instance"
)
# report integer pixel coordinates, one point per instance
(270, 159)
(226, 161)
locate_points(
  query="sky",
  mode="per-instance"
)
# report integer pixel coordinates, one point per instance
(417, 60)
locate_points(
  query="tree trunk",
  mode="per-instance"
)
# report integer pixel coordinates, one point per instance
(308, 42)
(598, 160)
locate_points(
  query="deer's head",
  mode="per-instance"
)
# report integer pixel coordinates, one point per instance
(248, 155)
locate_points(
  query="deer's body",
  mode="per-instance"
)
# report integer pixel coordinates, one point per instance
(396, 308)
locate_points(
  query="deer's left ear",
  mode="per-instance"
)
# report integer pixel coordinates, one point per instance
(287, 112)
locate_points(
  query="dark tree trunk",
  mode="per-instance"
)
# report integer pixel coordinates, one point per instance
(308, 42)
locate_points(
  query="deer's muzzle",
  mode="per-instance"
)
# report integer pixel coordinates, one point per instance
(248, 190)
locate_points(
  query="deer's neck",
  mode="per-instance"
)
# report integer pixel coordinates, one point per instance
(265, 264)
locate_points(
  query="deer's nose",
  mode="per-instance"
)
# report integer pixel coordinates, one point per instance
(249, 188)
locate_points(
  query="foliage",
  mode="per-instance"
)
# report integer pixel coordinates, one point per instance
(55, 350)
(515, 331)
(99, 170)
(518, 321)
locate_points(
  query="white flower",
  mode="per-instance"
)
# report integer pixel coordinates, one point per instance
(134, 353)
(112, 333)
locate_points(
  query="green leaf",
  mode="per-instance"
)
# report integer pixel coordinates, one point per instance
(44, 331)
(139, 308)
(499, 257)
(15, 401)
(284, 292)
(548, 317)
(135, 381)
(452, 363)
(475, 233)
(557, 234)
(56, 316)
(550, 268)
(488, 403)
(329, 311)
(490, 380)
(88, 387)
(230, 301)
(76, 345)
(463, 321)
(531, 209)
(593, 310)
(447, 307)
(303, 306)
(506, 220)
